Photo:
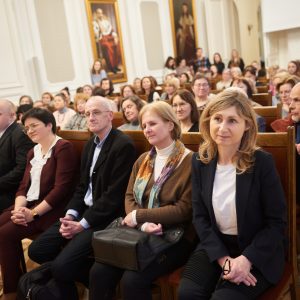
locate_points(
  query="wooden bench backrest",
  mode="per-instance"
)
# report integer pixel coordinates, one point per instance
(265, 99)
(262, 89)
(269, 113)
(118, 119)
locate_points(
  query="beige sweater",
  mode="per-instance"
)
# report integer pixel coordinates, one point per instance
(174, 197)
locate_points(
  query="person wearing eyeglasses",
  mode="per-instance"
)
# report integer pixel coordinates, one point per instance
(239, 209)
(201, 90)
(46, 187)
(106, 163)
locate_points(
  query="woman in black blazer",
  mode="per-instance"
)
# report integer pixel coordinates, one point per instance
(239, 209)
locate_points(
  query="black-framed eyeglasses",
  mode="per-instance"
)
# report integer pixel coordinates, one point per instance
(226, 267)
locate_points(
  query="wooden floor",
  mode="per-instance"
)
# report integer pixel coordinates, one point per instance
(83, 292)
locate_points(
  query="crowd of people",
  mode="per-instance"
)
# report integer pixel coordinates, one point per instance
(229, 252)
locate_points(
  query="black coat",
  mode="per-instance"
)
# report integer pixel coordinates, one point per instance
(14, 145)
(260, 210)
(109, 180)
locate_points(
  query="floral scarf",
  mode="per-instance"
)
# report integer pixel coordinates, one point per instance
(146, 170)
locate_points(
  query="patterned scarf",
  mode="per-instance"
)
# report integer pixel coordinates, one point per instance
(146, 170)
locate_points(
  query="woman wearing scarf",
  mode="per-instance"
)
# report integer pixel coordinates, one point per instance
(158, 197)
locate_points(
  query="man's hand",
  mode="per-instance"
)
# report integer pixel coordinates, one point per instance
(69, 228)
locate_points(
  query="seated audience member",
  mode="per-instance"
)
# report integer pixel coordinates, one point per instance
(40, 104)
(47, 99)
(246, 86)
(78, 121)
(218, 63)
(97, 73)
(171, 86)
(236, 72)
(127, 90)
(106, 163)
(294, 67)
(236, 60)
(87, 90)
(185, 108)
(62, 113)
(67, 95)
(274, 81)
(214, 75)
(98, 91)
(46, 187)
(148, 89)
(25, 99)
(201, 90)
(226, 80)
(239, 209)
(108, 87)
(131, 107)
(184, 78)
(260, 68)
(250, 74)
(169, 67)
(14, 145)
(158, 196)
(137, 85)
(21, 110)
(201, 62)
(182, 67)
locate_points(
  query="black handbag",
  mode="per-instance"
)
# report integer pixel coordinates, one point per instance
(131, 249)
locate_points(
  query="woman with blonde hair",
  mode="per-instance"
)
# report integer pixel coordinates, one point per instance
(158, 196)
(171, 86)
(239, 210)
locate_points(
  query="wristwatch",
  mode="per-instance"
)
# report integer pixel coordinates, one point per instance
(35, 215)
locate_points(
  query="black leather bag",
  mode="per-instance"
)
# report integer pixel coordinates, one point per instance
(129, 248)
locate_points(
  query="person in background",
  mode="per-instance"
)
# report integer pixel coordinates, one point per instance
(158, 196)
(201, 89)
(236, 72)
(239, 208)
(25, 99)
(260, 68)
(201, 63)
(87, 90)
(107, 86)
(294, 67)
(67, 94)
(47, 99)
(171, 86)
(98, 91)
(169, 67)
(62, 113)
(78, 121)
(131, 107)
(48, 183)
(148, 89)
(184, 78)
(14, 145)
(245, 85)
(97, 73)
(137, 85)
(236, 60)
(185, 108)
(127, 90)
(226, 80)
(182, 67)
(23, 108)
(217, 59)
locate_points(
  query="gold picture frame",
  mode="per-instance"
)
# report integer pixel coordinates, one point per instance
(106, 37)
(184, 33)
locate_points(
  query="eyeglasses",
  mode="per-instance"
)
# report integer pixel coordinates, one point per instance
(226, 269)
(30, 127)
(95, 113)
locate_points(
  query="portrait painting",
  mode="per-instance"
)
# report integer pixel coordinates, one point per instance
(183, 28)
(106, 37)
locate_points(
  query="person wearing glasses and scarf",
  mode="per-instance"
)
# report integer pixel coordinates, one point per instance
(158, 196)
(239, 210)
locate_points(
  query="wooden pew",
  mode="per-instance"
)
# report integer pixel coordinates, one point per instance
(269, 113)
(265, 99)
(262, 89)
(118, 119)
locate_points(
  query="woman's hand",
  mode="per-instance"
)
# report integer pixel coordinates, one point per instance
(152, 228)
(21, 216)
(240, 271)
(130, 220)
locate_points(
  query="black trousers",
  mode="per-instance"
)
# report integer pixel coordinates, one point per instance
(136, 285)
(71, 259)
(202, 280)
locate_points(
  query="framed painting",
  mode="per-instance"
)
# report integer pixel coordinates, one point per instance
(184, 33)
(106, 37)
